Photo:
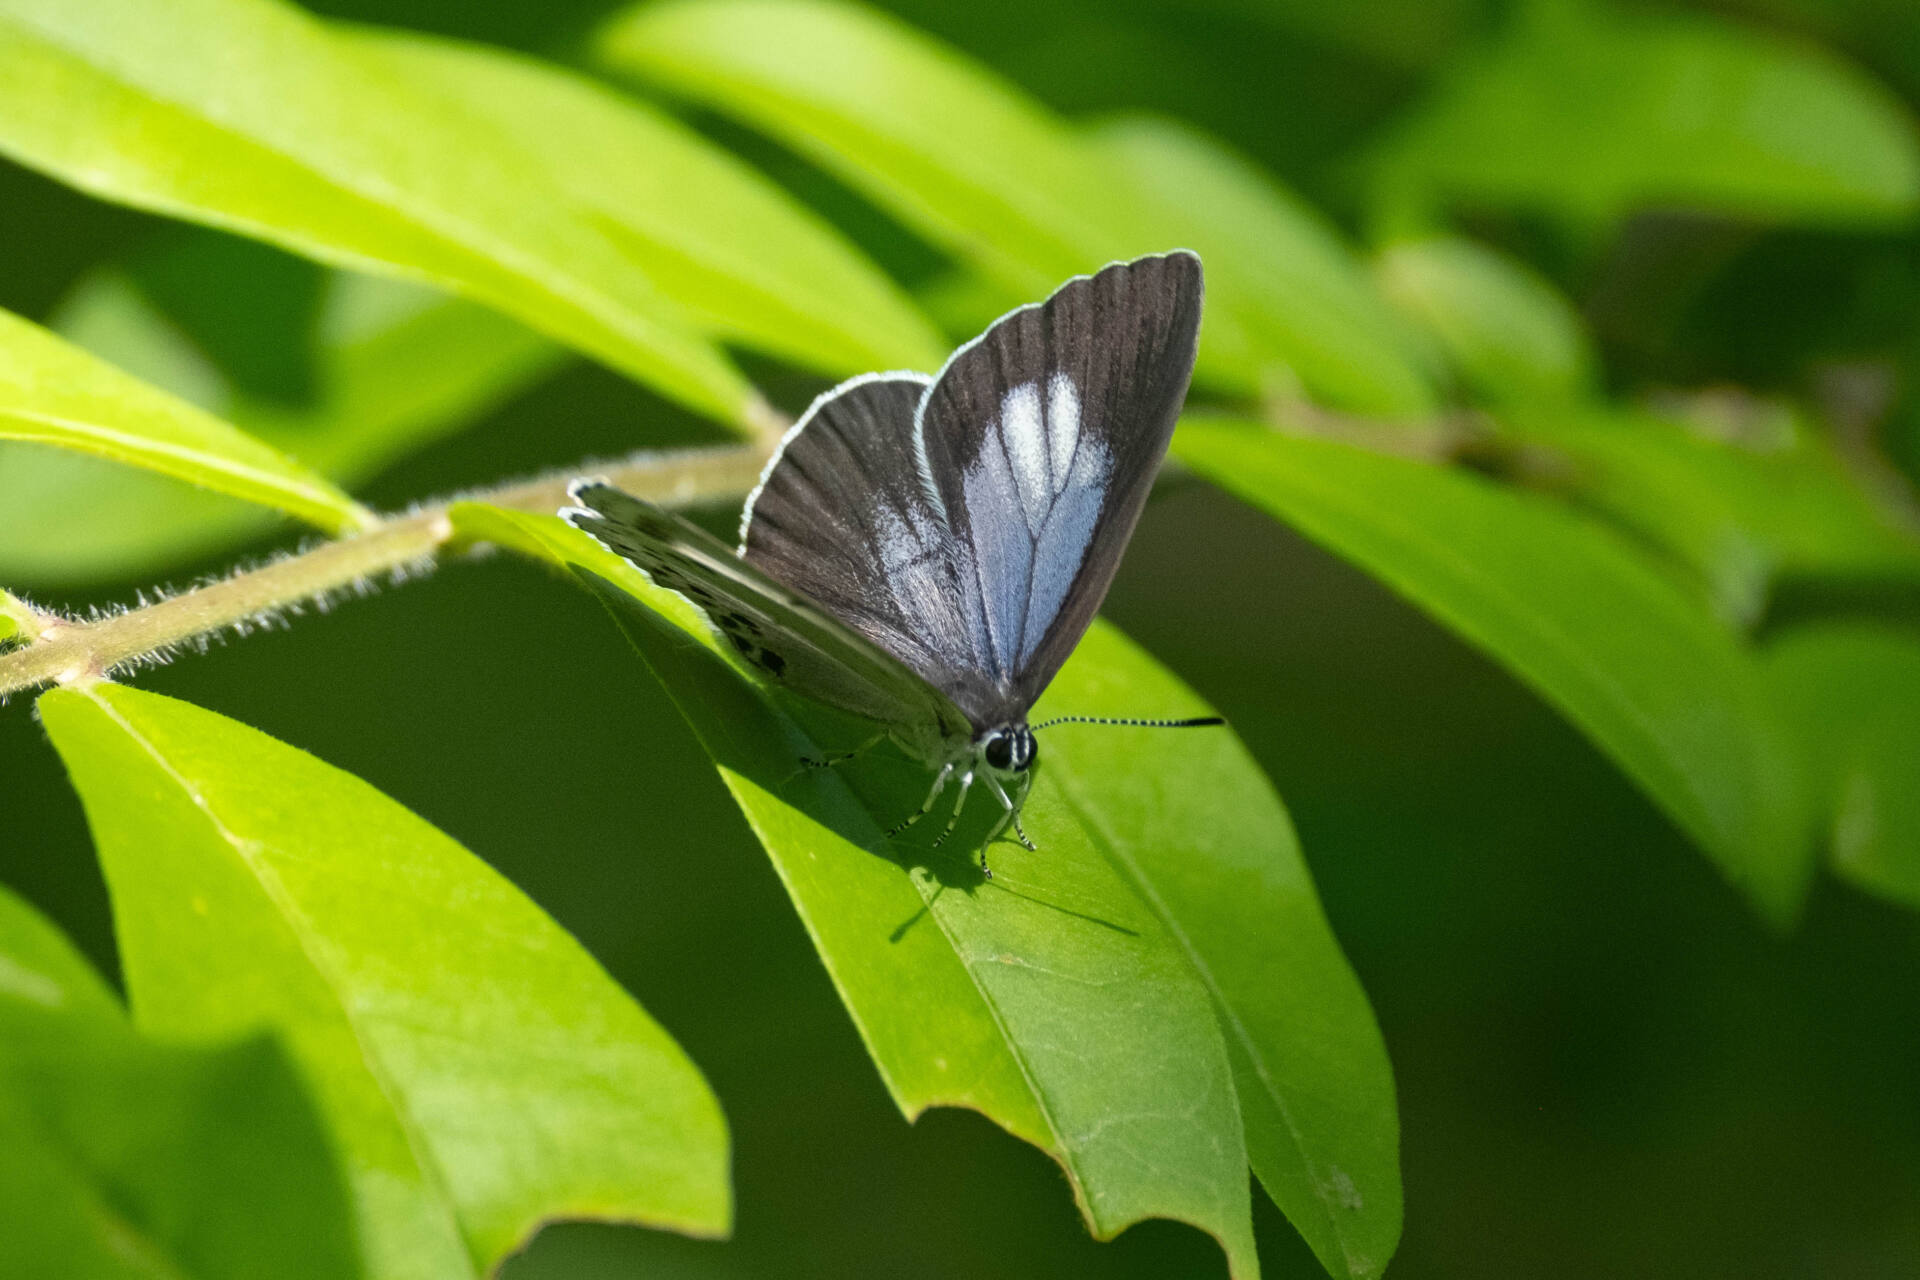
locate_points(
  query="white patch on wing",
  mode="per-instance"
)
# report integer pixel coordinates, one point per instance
(1060, 547)
(1034, 502)
(1024, 436)
(1005, 544)
(1063, 426)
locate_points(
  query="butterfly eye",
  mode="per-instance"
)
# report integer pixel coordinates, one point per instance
(1000, 751)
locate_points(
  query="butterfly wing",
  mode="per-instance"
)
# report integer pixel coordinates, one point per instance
(1039, 442)
(789, 640)
(845, 515)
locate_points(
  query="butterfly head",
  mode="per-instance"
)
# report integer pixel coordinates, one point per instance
(1008, 748)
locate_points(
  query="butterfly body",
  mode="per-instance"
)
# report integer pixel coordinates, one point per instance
(925, 551)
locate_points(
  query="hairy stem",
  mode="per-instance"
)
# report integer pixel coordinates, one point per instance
(68, 651)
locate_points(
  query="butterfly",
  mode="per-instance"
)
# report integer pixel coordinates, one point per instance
(924, 552)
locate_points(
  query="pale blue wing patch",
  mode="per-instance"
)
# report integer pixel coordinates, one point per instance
(1058, 475)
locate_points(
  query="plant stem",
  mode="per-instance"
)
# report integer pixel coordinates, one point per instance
(68, 651)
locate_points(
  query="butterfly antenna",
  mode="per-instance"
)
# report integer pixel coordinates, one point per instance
(1198, 722)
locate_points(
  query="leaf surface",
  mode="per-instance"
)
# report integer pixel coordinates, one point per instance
(53, 393)
(15, 616)
(730, 247)
(1588, 114)
(1852, 693)
(1738, 515)
(1197, 831)
(958, 153)
(1509, 335)
(918, 127)
(1059, 998)
(126, 1157)
(251, 116)
(1560, 602)
(395, 368)
(479, 1072)
(1305, 301)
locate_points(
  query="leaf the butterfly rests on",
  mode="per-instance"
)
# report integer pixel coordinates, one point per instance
(926, 552)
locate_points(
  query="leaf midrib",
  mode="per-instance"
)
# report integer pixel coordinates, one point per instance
(312, 499)
(1111, 847)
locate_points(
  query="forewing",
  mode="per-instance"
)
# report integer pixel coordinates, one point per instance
(844, 516)
(1041, 439)
(789, 641)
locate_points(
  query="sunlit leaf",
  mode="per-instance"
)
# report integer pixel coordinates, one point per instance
(53, 393)
(1509, 335)
(1569, 609)
(251, 116)
(396, 367)
(126, 1157)
(479, 1071)
(1198, 832)
(1052, 1001)
(726, 244)
(1587, 113)
(15, 616)
(1303, 299)
(1738, 515)
(961, 155)
(909, 121)
(1853, 693)
(962, 990)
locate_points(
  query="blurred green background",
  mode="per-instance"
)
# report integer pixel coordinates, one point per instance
(1606, 1065)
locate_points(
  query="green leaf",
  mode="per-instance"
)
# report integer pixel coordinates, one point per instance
(479, 1071)
(961, 155)
(1853, 693)
(15, 616)
(1278, 263)
(1567, 608)
(251, 116)
(53, 393)
(1737, 515)
(1508, 334)
(1589, 114)
(1054, 1002)
(126, 1157)
(1190, 851)
(396, 367)
(938, 139)
(1200, 835)
(729, 246)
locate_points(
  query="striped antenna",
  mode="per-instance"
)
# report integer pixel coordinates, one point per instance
(1197, 722)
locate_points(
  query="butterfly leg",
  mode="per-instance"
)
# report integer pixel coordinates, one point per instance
(1019, 831)
(939, 785)
(1011, 818)
(966, 785)
(831, 758)
(1013, 813)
